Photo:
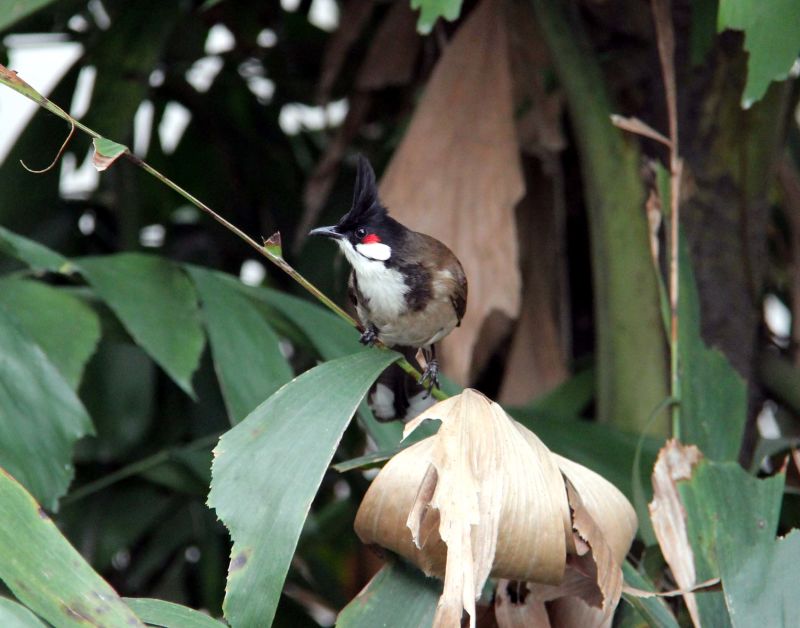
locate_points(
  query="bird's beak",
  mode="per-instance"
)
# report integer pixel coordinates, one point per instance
(328, 232)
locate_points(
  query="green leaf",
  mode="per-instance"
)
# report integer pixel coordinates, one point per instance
(268, 468)
(46, 573)
(40, 416)
(239, 334)
(156, 303)
(169, 615)
(29, 252)
(106, 152)
(567, 400)
(399, 595)
(432, 10)
(713, 395)
(653, 609)
(731, 521)
(64, 327)
(329, 334)
(15, 10)
(15, 615)
(771, 37)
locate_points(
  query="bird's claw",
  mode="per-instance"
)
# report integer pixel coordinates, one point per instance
(369, 336)
(430, 377)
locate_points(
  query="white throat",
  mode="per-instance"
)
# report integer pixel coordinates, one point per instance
(384, 287)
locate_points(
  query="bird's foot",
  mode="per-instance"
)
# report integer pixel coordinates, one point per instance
(430, 377)
(369, 336)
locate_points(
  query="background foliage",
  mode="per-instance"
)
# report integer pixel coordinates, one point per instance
(130, 345)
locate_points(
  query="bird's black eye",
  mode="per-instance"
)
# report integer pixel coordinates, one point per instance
(361, 232)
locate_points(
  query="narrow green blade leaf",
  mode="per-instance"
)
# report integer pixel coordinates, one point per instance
(17, 9)
(40, 416)
(432, 10)
(29, 252)
(653, 609)
(239, 334)
(156, 303)
(46, 573)
(399, 596)
(15, 615)
(64, 327)
(328, 333)
(169, 615)
(268, 468)
(771, 37)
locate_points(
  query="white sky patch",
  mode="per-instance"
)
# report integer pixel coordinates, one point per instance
(173, 123)
(262, 88)
(202, 73)
(290, 5)
(84, 87)
(156, 78)
(78, 23)
(267, 38)
(777, 316)
(75, 181)
(99, 14)
(295, 117)
(40, 64)
(767, 422)
(186, 215)
(252, 272)
(87, 223)
(219, 40)
(152, 236)
(143, 127)
(324, 14)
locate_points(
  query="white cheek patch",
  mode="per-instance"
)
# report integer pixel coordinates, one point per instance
(375, 250)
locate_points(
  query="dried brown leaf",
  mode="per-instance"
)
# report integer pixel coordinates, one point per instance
(484, 496)
(638, 127)
(457, 176)
(529, 373)
(675, 462)
(521, 611)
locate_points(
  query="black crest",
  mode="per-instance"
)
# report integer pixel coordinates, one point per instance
(366, 204)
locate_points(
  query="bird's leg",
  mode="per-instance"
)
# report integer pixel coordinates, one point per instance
(430, 376)
(369, 336)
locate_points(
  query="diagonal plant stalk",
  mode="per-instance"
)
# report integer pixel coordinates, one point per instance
(665, 39)
(108, 151)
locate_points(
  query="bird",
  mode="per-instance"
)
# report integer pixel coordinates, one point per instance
(409, 289)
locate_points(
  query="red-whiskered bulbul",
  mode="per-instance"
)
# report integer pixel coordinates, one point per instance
(408, 289)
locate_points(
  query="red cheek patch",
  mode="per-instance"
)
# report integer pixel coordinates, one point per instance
(370, 238)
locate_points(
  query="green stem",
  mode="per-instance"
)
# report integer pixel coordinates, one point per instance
(11, 80)
(135, 468)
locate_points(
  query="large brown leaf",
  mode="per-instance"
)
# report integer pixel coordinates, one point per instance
(457, 176)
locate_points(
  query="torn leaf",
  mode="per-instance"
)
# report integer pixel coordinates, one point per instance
(106, 152)
(485, 497)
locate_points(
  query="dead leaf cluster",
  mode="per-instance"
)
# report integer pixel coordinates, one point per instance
(484, 498)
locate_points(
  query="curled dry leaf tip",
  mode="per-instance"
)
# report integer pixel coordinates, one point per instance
(484, 497)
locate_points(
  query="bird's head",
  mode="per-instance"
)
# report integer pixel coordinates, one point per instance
(366, 233)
